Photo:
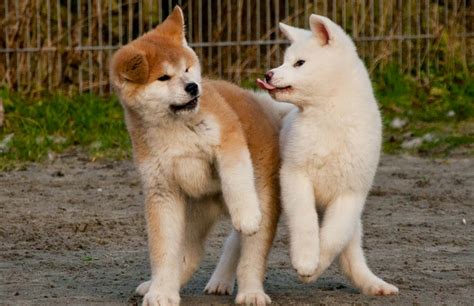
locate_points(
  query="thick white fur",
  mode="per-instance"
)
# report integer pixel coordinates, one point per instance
(277, 111)
(238, 189)
(330, 150)
(223, 279)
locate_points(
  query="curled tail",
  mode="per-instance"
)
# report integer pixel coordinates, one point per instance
(276, 110)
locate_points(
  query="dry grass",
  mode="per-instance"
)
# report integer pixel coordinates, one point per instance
(386, 32)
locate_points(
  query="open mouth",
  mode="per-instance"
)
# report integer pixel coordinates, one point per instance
(186, 106)
(272, 89)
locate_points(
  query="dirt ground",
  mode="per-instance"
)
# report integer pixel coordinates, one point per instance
(72, 232)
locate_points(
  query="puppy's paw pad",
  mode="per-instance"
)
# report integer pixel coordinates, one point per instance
(153, 298)
(219, 287)
(143, 288)
(253, 298)
(248, 223)
(381, 288)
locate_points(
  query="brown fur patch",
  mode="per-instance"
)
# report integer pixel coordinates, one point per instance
(244, 123)
(141, 150)
(130, 64)
(173, 26)
(141, 61)
(241, 120)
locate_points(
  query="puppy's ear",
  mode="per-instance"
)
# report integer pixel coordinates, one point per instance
(173, 25)
(292, 33)
(320, 26)
(130, 64)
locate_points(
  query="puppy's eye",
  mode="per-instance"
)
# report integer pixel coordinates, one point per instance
(187, 70)
(164, 77)
(299, 63)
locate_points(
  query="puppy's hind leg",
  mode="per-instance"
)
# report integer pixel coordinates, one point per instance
(200, 219)
(338, 226)
(353, 263)
(223, 279)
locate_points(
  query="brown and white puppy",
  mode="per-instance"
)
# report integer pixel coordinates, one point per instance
(203, 148)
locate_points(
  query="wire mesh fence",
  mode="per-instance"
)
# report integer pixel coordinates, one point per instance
(65, 45)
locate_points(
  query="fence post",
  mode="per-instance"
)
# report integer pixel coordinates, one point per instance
(67, 44)
(2, 113)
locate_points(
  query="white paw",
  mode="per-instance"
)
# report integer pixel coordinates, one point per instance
(305, 263)
(219, 286)
(247, 221)
(143, 288)
(305, 256)
(155, 298)
(253, 298)
(308, 278)
(380, 288)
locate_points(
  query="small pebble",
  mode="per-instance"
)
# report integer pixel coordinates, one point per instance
(398, 123)
(412, 143)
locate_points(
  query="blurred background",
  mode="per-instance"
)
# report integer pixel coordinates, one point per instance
(54, 58)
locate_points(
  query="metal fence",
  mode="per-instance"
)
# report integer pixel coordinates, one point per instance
(66, 44)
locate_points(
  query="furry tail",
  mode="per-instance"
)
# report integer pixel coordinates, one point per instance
(276, 110)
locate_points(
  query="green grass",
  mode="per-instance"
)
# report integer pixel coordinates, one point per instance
(442, 108)
(57, 123)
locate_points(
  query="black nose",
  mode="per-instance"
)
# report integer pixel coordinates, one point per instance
(192, 89)
(268, 76)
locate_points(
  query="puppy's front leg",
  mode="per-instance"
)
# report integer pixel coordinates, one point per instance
(165, 215)
(238, 187)
(300, 210)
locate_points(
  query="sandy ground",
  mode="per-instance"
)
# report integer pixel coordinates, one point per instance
(72, 232)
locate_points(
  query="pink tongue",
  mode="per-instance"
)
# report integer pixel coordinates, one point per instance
(264, 85)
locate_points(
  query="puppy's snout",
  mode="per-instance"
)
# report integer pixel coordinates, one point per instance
(192, 89)
(268, 76)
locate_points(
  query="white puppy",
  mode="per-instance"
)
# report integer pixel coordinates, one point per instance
(330, 150)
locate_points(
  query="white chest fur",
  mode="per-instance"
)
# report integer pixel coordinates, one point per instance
(182, 155)
(336, 152)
